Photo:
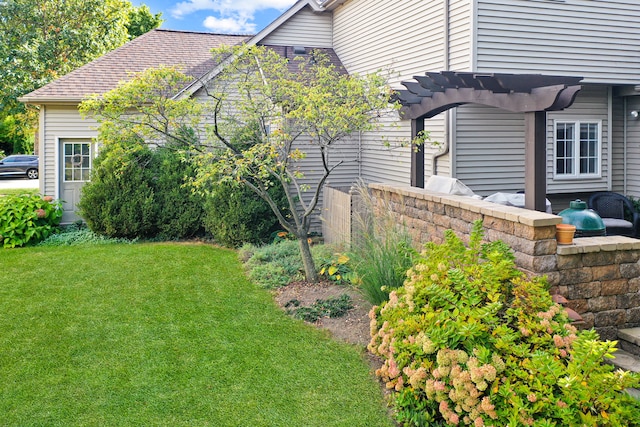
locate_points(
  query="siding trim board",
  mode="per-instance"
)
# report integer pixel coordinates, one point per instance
(474, 35)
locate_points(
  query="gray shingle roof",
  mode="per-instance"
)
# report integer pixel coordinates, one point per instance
(158, 47)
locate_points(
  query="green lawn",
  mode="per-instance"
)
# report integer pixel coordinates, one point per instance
(8, 191)
(165, 335)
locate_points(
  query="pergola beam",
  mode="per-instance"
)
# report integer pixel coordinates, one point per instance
(548, 98)
(531, 94)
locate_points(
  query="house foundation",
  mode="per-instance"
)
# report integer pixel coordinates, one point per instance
(599, 276)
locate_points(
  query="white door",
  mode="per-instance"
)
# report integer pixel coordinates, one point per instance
(76, 159)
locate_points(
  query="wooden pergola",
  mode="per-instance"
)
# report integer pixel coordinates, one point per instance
(531, 94)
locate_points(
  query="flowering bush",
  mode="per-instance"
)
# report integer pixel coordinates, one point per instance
(469, 341)
(27, 219)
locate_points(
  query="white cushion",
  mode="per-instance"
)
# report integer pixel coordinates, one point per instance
(614, 222)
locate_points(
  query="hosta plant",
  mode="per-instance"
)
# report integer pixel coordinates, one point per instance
(27, 219)
(468, 340)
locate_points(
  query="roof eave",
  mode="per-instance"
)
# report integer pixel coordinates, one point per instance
(332, 4)
(35, 100)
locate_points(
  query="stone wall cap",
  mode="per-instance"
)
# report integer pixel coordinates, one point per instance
(538, 219)
(583, 245)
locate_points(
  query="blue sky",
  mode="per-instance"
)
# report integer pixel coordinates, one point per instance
(217, 16)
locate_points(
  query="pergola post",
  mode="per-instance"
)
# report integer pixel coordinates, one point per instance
(535, 167)
(417, 154)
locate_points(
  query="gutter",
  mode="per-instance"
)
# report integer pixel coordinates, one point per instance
(49, 100)
(331, 4)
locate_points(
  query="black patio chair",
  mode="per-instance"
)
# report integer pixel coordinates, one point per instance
(618, 213)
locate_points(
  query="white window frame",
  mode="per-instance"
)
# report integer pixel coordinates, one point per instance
(88, 156)
(576, 150)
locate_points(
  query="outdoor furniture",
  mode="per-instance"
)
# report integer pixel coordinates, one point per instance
(617, 212)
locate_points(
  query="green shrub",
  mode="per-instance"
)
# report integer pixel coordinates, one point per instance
(236, 215)
(278, 264)
(469, 341)
(275, 265)
(381, 251)
(27, 219)
(137, 192)
(79, 235)
(181, 212)
(330, 307)
(332, 265)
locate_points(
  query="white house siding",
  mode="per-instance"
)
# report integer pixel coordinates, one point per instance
(385, 158)
(305, 28)
(489, 149)
(403, 38)
(591, 104)
(632, 150)
(596, 39)
(460, 35)
(60, 122)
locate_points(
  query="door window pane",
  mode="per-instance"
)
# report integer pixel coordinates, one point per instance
(77, 161)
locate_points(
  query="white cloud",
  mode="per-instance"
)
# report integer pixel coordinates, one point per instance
(228, 8)
(229, 25)
(228, 16)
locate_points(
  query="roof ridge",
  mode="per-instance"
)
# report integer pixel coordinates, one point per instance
(202, 32)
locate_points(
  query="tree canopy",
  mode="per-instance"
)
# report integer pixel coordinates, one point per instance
(41, 40)
(263, 116)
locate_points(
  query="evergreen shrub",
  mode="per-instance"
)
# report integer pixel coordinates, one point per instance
(235, 215)
(468, 340)
(139, 192)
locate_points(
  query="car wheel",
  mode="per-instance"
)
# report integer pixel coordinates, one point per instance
(32, 174)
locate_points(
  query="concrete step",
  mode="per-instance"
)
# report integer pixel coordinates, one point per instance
(625, 361)
(629, 340)
(627, 357)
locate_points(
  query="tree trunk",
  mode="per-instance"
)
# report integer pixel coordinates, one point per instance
(310, 272)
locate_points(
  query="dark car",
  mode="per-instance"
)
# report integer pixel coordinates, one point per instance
(19, 165)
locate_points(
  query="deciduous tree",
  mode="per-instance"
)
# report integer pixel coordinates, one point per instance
(265, 114)
(41, 40)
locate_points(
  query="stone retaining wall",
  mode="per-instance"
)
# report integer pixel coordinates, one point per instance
(598, 275)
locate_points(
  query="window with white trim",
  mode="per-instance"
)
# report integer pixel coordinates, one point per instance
(77, 161)
(578, 151)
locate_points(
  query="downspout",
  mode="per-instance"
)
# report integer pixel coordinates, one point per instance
(360, 155)
(624, 145)
(42, 131)
(610, 139)
(444, 149)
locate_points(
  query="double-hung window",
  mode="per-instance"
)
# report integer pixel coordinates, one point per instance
(578, 148)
